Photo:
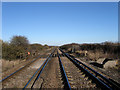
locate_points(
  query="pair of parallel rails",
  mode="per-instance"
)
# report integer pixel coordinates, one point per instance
(100, 80)
(27, 65)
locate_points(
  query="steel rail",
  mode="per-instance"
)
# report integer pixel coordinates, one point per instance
(34, 74)
(67, 85)
(19, 69)
(40, 69)
(111, 82)
(114, 84)
(97, 80)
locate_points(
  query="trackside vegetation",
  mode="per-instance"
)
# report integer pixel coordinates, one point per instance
(18, 48)
(110, 49)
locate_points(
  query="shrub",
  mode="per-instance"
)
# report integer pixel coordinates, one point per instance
(16, 49)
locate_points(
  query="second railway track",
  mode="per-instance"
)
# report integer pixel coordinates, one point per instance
(75, 76)
(101, 81)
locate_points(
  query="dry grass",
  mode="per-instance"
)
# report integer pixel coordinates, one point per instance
(99, 54)
(96, 55)
(6, 64)
(91, 55)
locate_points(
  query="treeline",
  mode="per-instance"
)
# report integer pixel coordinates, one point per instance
(18, 48)
(106, 48)
(68, 46)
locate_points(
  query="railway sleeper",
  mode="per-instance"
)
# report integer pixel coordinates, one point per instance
(98, 82)
(113, 84)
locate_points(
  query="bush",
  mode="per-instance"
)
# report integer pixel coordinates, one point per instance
(16, 49)
(109, 48)
(19, 41)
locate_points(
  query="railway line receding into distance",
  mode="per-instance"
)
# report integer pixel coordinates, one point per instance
(59, 70)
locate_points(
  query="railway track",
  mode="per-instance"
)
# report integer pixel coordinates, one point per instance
(51, 74)
(76, 77)
(18, 78)
(36, 76)
(60, 70)
(97, 78)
